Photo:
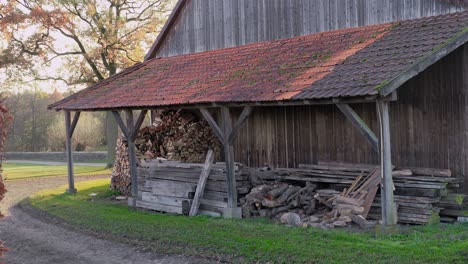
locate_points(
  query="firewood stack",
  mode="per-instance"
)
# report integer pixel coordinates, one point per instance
(269, 200)
(305, 205)
(422, 195)
(174, 135)
(120, 178)
(177, 135)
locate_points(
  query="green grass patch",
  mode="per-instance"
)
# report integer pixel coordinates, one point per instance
(251, 240)
(16, 171)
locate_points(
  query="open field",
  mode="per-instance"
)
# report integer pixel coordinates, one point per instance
(15, 171)
(250, 240)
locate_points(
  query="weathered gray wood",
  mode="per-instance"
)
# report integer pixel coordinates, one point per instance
(200, 25)
(170, 188)
(160, 207)
(356, 120)
(139, 122)
(240, 121)
(431, 172)
(214, 126)
(131, 156)
(73, 124)
(229, 158)
(160, 199)
(130, 131)
(201, 183)
(226, 135)
(121, 124)
(212, 202)
(389, 216)
(69, 127)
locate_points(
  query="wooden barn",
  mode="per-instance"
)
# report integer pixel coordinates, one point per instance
(374, 82)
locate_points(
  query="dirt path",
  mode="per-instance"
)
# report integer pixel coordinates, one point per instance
(32, 240)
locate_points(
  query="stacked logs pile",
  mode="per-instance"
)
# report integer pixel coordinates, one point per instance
(270, 200)
(421, 194)
(177, 135)
(304, 205)
(120, 178)
(174, 135)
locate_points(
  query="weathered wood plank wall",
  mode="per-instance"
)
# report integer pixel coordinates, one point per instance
(214, 24)
(429, 126)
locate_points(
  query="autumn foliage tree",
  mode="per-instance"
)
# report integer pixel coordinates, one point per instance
(5, 120)
(78, 42)
(92, 38)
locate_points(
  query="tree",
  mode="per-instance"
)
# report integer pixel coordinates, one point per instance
(30, 128)
(80, 42)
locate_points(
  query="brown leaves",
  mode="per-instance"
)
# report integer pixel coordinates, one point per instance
(101, 36)
(5, 120)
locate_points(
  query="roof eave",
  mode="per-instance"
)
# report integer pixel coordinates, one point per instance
(301, 102)
(437, 54)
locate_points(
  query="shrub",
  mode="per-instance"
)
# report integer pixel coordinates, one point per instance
(5, 120)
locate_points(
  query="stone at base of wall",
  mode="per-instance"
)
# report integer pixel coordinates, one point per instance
(57, 156)
(232, 212)
(131, 202)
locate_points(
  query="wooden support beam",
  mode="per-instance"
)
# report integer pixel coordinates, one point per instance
(121, 124)
(354, 118)
(74, 123)
(202, 183)
(69, 129)
(389, 213)
(242, 118)
(214, 126)
(130, 131)
(226, 135)
(139, 122)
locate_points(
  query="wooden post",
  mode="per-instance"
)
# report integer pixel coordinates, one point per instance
(229, 158)
(130, 132)
(69, 129)
(226, 136)
(389, 214)
(201, 183)
(132, 158)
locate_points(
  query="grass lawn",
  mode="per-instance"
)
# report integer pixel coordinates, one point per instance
(251, 240)
(15, 171)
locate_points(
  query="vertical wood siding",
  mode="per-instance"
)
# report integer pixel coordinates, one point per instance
(214, 24)
(429, 126)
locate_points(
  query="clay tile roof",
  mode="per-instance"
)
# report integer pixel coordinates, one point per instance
(343, 63)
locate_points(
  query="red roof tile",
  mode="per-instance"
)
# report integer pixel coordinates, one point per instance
(343, 63)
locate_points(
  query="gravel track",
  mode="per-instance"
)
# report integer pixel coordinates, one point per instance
(35, 239)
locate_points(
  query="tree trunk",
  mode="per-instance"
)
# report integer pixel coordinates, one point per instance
(112, 129)
(112, 132)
